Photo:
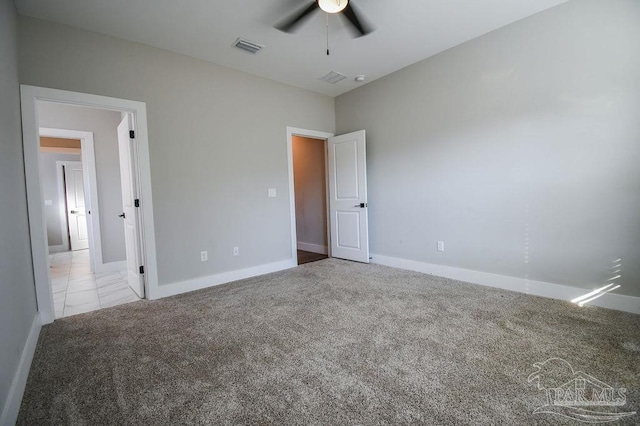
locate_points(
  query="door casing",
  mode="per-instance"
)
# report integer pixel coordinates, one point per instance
(30, 96)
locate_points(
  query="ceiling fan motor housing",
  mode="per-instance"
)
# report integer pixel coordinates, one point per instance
(333, 6)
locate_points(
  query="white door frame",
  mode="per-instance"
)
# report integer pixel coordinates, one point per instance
(88, 159)
(30, 95)
(305, 133)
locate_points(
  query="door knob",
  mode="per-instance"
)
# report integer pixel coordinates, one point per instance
(74, 212)
(361, 205)
(121, 215)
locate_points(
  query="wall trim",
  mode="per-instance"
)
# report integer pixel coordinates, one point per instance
(106, 268)
(313, 248)
(11, 406)
(58, 248)
(618, 302)
(223, 278)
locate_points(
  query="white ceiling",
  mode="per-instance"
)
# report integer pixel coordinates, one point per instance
(406, 31)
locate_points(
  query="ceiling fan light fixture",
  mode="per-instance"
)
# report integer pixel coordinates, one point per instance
(333, 6)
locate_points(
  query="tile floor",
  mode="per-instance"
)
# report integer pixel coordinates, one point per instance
(76, 290)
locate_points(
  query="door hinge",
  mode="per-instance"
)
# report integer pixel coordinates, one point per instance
(132, 134)
(142, 269)
(136, 202)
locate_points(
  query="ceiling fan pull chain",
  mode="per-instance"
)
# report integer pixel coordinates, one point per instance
(327, 34)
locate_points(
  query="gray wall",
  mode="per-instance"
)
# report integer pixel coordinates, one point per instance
(217, 142)
(53, 213)
(310, 190)
(17, 291)
(104, 125)
(519, 149)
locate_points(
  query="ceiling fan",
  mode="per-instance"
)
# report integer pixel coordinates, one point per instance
(344, 7)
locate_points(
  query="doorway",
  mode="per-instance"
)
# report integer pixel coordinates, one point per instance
(103, 264)
(310, 187)
(346, 193)
(81, 279)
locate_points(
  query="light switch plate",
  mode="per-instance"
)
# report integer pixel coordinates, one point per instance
(48, 202)
(272, 192)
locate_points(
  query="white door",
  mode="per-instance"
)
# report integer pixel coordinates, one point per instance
(126, 146)
(348, 197)
(76, 210)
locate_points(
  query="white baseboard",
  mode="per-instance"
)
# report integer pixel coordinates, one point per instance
(313, 248)
(618, 302)
(58, 249)
(107, 268)
(223, 278)
(19, 382)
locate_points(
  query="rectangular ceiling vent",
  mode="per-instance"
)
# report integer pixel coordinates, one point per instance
(333, 77)
(248, 46)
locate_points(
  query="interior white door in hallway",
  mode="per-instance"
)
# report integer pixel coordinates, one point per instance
(76, 208)
(348, 196)
(126, 148)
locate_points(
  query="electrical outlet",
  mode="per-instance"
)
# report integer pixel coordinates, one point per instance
(204, 256)
(236, 251)
(440, 245)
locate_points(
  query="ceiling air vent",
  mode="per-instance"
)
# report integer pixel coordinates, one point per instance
(333, 77)
(248, 46)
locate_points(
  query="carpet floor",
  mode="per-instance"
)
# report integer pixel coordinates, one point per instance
(329, 342)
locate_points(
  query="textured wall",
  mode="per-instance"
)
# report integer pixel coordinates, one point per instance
(518, 149)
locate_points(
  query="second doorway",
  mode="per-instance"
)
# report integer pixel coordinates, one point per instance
(310, 188)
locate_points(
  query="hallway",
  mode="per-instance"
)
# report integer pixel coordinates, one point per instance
(76, 290)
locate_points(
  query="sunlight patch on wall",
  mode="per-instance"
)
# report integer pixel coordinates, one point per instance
(593, 295)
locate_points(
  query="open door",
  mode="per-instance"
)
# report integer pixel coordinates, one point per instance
(130, 202)
(76, 210)
(348, 196)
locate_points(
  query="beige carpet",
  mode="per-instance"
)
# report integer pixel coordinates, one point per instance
(329, 342)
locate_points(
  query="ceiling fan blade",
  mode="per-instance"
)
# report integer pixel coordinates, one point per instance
(290, 24)
(359, 24)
